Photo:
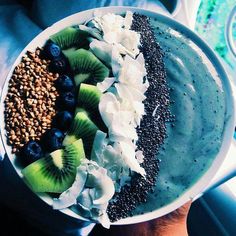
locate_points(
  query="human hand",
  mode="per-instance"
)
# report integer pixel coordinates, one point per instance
(172, 224)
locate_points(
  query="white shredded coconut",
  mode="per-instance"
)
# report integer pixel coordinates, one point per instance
(121, 106)
(91, 192)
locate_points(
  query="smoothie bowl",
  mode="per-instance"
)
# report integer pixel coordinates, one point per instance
(117, 115)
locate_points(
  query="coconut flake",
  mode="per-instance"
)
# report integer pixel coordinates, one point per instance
(108, 106)
(139, 156)
(99, 189)
(127, 92)
(109, 22)
(132, 73)
(116, 31)
(128, 154)
(99, 144)
(101, 184)
(130, 40)
(91, 191)
(109, 158)
(91, 31)
(128, 20)
(102, 50)
(68, 197)
(106, 84)
(116, 60)
(122, 124)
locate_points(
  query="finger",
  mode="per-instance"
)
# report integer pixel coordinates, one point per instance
(179, 214)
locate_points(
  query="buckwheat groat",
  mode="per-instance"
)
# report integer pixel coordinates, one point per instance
(30, 102)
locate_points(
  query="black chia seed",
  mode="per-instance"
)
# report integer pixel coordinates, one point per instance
(152, 130)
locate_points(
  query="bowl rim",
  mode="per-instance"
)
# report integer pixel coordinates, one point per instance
(229, 31)
(205, 179)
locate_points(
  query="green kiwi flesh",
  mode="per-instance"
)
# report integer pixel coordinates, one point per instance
(87, 67)
(69, 51)
(70, 37)
(88, 99)
(57, 172)
(81, 127)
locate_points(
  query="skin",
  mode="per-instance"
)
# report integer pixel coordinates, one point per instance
(173, 224)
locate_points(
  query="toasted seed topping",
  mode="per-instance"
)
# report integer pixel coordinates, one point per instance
(30, 103)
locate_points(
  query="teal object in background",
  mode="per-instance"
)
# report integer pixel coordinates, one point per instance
(211, 25)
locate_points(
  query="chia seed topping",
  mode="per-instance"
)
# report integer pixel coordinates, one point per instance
(152, 130)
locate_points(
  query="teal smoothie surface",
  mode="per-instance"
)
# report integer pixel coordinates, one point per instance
(199, 106)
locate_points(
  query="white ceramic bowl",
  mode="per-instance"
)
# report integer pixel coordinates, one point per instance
(203, 182)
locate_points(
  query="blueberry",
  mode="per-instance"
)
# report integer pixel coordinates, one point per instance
(63, 120)
(52, 50)
(31, 152)
(64, 83)
(59, 65)
(67, 101)
(53, 139)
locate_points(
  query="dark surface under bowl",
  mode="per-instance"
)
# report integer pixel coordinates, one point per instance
(14, 223)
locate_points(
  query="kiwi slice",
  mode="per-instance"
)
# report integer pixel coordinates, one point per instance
(88, 98)
(87, 67)
(81, 127)
(70, 37)
(57, 172)
(95, 117)
(69, 51)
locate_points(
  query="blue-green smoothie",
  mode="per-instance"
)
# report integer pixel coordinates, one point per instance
(199, 106)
